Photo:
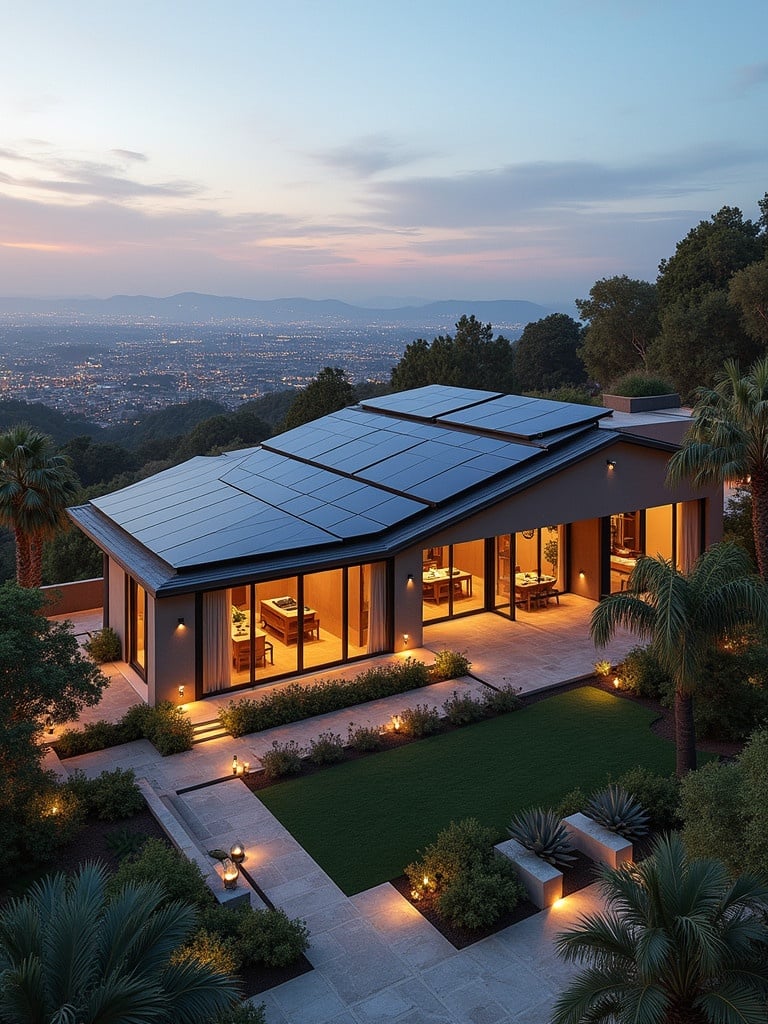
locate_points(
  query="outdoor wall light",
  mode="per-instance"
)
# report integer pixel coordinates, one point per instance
(409, 578)
(181, 692)
(610, 463)
(582, 574)
(237, 853)
(180, 623)
(406, 638)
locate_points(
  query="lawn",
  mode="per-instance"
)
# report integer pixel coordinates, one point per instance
(365, 820)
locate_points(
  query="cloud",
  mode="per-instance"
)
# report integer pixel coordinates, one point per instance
(369, 155)
(519, 193)
(129, 154)
(751, 75)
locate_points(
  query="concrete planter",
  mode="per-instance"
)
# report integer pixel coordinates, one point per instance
(542, 881)
(598, 842)
(622, 403)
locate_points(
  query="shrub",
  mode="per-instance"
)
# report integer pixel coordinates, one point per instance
(572, 802)
(419, 721)
(544, 834)
(242, 1013)
(271, 937)
(640, 385)
(450, 665)
(457, 847)
(712, 806)
(658, 794)
(603, 668)
(730, 701)
(124, 842)
(363, 737)
(642, 675)
(52, 819)
(135, 722)
(461, 709)
(93, 736)
(615, 809)
(328, 748)
(168, 729)
(181, 878)
(212, 951)
(295, 702)
(500, 700)
(104, 645)
(282, 759)
(110, 796)
(478, 897)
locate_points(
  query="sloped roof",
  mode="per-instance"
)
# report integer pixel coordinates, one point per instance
(372, 478)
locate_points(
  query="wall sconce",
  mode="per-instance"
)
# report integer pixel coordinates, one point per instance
(230, 873)
(610, 463)
(181, 692)
(582, 574)
(406, 638)
(409, 578)
(180, 623)
(237, 853)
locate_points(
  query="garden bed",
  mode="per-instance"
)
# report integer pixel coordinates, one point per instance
(577, 876)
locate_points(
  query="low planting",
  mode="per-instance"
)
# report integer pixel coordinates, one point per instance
(619, 811)
(165, 726)
(471, 885)
(104, 645)
(240, 937)
(543, 833)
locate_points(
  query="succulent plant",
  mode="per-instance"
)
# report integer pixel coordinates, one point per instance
(544, 834)
(618, 811)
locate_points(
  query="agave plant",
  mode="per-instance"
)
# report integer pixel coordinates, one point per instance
(544, 834)
(618, 811)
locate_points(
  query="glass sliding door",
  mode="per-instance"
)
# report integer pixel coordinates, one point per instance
(453, 580)
(137, 627)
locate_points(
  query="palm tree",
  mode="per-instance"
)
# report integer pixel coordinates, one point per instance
(683, 616)
(680, 942)
(69, 955)
(35, 486)
(728, 440)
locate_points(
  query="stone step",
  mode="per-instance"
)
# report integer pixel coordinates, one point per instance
(211, 730)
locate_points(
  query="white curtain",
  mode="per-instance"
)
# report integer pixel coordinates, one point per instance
(689, 540)
(217, 640)
(377, 612)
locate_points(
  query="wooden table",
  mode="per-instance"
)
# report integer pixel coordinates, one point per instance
(241, 645)
(529, 587)
(437, 583)
(622, 565)
(284, 621)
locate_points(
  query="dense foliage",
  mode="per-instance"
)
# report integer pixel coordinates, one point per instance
(165, 725)
(547, 354)
(622, 317)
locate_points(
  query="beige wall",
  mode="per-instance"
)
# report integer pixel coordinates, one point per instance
(171, 648)
(584, 559)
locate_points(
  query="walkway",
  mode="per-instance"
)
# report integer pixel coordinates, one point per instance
(375, 958)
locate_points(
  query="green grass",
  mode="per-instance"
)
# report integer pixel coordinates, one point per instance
(363, 821)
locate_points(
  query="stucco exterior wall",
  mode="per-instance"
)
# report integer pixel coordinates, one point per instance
(80, 596)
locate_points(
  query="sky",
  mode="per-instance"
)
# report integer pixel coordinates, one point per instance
(365, 151)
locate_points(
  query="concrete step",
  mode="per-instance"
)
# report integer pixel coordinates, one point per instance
(204, 731)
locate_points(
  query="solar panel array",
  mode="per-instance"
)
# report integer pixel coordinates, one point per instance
(356, 472)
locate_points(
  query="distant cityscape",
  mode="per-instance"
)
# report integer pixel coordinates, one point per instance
(111, 369)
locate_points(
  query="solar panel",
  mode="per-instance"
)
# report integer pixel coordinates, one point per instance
(428, 402)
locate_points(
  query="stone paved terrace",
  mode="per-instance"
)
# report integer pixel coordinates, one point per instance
(375, 958)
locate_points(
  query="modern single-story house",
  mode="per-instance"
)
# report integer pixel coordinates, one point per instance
(345, 537)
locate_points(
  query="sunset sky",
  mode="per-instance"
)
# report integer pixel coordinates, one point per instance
(357, 150)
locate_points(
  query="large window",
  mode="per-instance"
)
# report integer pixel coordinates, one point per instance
(137, 627)
(453, 580)
(258, 632)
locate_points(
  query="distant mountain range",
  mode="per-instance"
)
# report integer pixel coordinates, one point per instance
(191, 307)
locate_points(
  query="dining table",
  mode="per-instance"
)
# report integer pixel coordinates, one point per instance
(437, 584)
(531, 586)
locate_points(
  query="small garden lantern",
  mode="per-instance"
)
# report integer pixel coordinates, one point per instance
(396, 722)
(230, 873)
(234, 765)
(237, 853)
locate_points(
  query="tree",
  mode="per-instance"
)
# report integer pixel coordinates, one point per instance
(623, 320)
(748, 291)
(472, 358)
(683, 617)
(42, 673)
(681, 942)
(700, 328)
(35, 486)
(728, 441)
(327, 393)
(70, 954)
(546, 356)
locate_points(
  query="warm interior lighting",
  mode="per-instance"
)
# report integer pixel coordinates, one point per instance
(237, 853)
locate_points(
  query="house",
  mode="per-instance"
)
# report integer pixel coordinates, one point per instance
(349, 535)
